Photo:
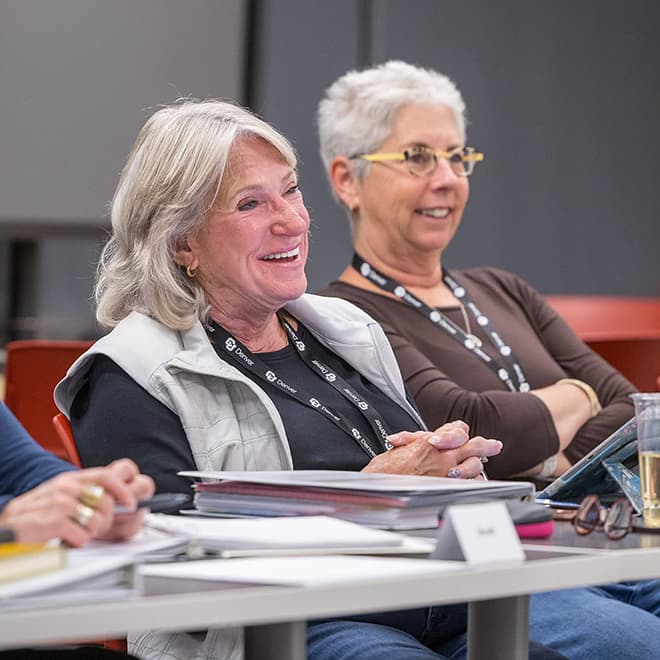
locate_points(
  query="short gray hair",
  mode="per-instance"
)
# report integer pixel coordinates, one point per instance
(356, 113)
(171, 179)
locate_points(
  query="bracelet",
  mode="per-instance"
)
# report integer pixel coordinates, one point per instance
(548, 467)
(587, 389)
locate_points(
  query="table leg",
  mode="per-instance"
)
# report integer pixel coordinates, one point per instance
(498, 629)
(277, 641)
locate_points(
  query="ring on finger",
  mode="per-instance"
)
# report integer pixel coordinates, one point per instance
(91, 495)
(83, 514)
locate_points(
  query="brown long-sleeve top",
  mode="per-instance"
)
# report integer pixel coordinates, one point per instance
(449, 382)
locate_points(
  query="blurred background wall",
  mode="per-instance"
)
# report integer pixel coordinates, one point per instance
(562, 97)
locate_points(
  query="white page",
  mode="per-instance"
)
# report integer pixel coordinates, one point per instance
(297, 533)
(147, 540)
(326, 569)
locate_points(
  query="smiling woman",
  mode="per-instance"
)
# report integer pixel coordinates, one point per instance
(249, 256)
(217, 360)
(477, 344)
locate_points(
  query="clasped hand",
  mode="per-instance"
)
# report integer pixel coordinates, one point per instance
(447, 451)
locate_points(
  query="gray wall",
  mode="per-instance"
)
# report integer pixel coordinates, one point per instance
(78, 80)
(563, 97)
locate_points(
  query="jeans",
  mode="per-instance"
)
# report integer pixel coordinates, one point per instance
(419, 634)
(591, 623)
(610, 621)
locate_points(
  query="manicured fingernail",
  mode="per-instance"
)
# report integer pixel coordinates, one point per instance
(434, 440)
(454, 473)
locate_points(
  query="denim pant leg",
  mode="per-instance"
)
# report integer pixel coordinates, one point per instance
(644, 594)
(421, 634)
(357, 640)
(396, 635)
(586, 624)
(455, 646)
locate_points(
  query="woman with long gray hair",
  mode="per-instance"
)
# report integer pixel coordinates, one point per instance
(217, 360)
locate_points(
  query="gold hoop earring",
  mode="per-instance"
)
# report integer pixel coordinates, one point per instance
(191, 272)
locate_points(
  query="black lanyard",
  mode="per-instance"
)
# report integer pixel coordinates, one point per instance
(234, 349)
(470, 343)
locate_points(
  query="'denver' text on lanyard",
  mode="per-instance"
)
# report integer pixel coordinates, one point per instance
(506, 371)
(240, 354)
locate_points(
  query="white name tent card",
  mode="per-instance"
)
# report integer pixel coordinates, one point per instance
(478, 534)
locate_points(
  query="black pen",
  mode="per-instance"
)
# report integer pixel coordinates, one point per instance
(157, 504)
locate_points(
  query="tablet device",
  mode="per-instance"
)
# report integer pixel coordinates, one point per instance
(590, 474)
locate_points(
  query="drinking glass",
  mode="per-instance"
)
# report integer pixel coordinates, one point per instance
(647, 411)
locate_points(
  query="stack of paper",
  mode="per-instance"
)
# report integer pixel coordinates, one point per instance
(382, 501)
(23, 560)
(96, 571)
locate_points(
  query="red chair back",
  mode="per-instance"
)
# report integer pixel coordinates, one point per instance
(637, 359)
(607, 317)
(63, 430)
(624, 331)
(32, 369)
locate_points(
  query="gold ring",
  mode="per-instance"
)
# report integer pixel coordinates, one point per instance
(83, 514)
(91, 495)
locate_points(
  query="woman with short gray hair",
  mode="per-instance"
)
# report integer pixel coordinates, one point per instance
(357, 110)
(477, 344)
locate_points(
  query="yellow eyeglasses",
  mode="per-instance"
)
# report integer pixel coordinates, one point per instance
(421, 160)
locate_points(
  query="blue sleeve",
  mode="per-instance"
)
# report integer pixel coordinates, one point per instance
(25, 464)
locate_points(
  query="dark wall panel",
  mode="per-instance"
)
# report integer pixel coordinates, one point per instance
(563, 97)
(302, 48)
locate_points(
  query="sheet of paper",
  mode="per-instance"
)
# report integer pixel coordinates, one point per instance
(147, 540)
(326, 569)
(276, 533)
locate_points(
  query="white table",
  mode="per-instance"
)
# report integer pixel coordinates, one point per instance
(275, 616)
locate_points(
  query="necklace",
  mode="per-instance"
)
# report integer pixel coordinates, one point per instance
(468, 327)
(506, 365)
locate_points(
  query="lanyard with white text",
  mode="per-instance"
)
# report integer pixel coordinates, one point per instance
(242, 355)
(469, 342)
